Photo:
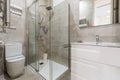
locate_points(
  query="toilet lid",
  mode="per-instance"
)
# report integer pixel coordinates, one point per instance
(15, 58)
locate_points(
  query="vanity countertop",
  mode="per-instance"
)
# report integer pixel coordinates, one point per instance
(102, 44)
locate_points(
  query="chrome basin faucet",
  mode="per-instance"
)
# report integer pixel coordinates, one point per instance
(97, 39)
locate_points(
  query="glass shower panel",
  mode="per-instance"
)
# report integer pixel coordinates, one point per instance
(33, 41)
(60, 40)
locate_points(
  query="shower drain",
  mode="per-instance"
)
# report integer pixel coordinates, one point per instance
(41, 63)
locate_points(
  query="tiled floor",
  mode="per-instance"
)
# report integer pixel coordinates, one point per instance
(2, 77)
(32, 75)
(28, 75)
(65, 76)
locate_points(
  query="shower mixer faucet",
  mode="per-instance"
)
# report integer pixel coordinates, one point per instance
(97, 39)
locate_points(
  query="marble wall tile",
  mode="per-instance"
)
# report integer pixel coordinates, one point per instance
(17, 35)
(108, 33)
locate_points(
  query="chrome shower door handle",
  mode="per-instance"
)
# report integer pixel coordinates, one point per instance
(66, 45)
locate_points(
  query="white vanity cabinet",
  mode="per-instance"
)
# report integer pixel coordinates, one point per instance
(90, 62)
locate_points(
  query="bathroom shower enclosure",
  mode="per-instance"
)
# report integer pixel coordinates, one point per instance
(48, 38)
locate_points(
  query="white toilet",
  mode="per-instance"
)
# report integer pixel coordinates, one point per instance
(14, 59)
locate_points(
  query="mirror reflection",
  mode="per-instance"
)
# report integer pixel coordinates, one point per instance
(98, 12)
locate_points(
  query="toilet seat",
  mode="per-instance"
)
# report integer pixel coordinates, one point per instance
(15, 58)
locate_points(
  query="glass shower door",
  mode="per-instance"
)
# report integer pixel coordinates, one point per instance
(60, 48)
(33, 41)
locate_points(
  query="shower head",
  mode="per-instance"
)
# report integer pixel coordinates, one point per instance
(49, 8)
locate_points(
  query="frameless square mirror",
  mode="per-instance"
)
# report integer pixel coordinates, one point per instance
(98, 12)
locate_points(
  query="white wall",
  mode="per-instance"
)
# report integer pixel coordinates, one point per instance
(56, 2)
(29, 2)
